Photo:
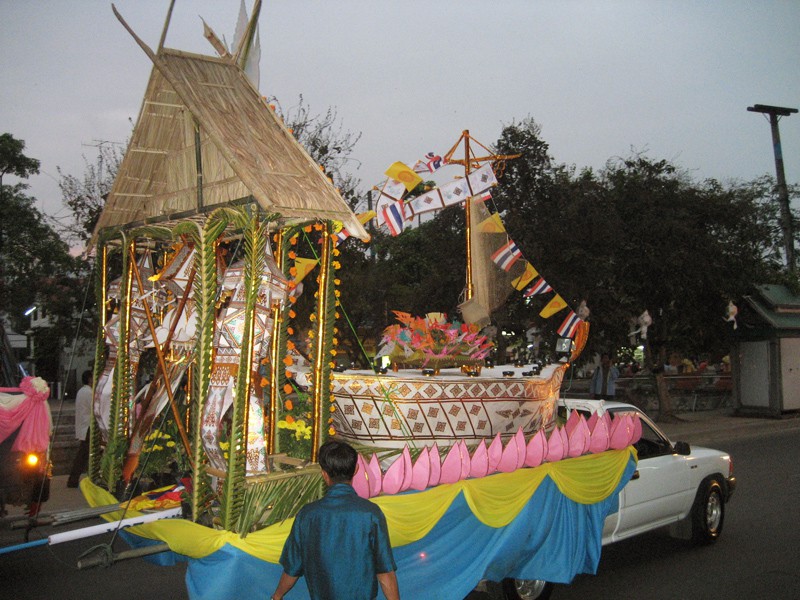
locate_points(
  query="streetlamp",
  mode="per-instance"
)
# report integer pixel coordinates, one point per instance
(29, 341)
(783, 193)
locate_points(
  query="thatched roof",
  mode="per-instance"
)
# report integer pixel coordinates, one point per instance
(195, 101)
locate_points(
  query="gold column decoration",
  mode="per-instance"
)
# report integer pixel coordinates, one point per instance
(322, 359)
(271, 419)
(467, 216)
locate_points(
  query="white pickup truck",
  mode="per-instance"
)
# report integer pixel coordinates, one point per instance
(685, 488)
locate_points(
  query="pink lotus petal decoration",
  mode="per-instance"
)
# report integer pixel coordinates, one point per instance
(495, 452)
(479, 464)
(572, 422)
(521, 450)
(451, 465)
(374, 476)
(393, 478)
(466, 462)
(630, 425)
(579, 437)
(564, 441)
(536, 449)
(621, 431)
(508, 460)
(408, 471)
(436, 466)
(637, 429)
(421, 471)
(607, 418)
(555, 446)
(360, 479)
(599, 441)
(591, 423)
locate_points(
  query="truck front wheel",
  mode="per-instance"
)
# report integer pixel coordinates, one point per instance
(527, 589)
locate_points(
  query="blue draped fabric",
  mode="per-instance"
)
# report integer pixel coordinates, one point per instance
(553, 538)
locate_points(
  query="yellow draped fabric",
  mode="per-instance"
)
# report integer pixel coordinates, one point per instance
(495, 501)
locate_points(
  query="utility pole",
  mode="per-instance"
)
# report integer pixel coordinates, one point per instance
(774, 113)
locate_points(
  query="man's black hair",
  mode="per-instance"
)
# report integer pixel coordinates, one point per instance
(338, 460)
(86, 378)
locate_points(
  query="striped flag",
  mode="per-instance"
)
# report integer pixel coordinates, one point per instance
(507, 255)
(390, 191)
(569, 325)
(394, 217)
(540, 286)
(363, 218)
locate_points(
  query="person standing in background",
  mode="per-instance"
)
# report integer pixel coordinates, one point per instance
(83, 414)
(603, 384)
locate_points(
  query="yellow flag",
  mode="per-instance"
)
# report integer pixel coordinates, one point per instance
(492, 225)
(366, 216)
(555, 305)
(404, 174)
(520, 282)
(304, 266)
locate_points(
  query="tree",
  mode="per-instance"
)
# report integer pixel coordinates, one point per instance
(323, 137)
(640, 234)
(13, 161)
(86, 197)
(37, 268)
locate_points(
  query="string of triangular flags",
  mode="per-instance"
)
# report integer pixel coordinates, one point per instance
(530, 283)
(394, 211)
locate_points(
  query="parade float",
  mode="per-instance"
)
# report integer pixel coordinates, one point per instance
(216, 215)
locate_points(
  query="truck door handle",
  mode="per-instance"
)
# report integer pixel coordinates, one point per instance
(635, 475)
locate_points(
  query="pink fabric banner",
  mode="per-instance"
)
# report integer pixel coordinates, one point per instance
(31, 415)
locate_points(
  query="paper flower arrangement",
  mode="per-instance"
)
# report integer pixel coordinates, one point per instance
(433, 341)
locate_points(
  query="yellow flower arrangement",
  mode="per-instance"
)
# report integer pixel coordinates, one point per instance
(301, 430)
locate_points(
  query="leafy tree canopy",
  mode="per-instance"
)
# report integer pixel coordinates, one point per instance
(13, 161)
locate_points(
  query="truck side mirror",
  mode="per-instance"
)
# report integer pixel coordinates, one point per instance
(683, 448)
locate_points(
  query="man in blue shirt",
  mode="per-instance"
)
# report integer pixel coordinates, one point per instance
(340, 543)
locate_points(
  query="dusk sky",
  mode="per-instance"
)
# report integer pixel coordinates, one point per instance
(602, 78)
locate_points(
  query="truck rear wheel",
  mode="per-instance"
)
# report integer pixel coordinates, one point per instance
(527, 589)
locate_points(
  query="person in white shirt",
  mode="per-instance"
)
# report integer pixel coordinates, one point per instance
(83, 414)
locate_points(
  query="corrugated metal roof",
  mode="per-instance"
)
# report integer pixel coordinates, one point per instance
(777, 306)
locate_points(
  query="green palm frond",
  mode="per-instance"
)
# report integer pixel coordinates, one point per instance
(205, 297)
(279, 497)
(95, 449)
(255, 240)
(121, 384)
(153, 232)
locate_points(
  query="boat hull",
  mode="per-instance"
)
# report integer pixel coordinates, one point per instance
(407, 408)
